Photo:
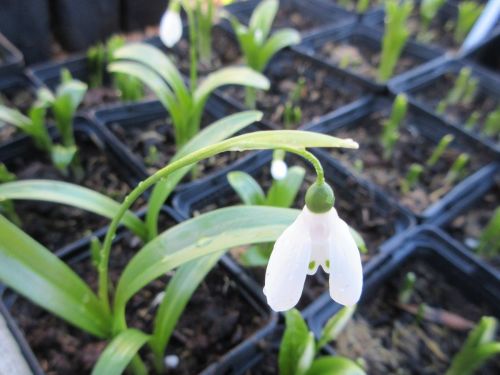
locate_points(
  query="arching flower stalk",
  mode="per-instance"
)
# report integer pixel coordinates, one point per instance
(318, 237)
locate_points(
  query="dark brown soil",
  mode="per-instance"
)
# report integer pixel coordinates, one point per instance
(412, 147)
(355, 206)
(392, 341)
(318, 97)
(294, 17)
(468, 227)
(483, 102)
(363, 59)
(158, 135)
(56, 225)
(440, 30)
(216, 319)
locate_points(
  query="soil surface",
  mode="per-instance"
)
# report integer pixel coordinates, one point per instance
(216, 319)
(483, 102)
(56, 225)
(411, 147)
(319, 95)
(392, 341)
(362, 59)
(355, 206)
(468, 227)
(292, 16)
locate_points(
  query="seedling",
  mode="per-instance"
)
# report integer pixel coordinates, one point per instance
(362, 6)
(463, 91)
(292, 114)
(153, 156)
(489, 241)
(472, 120)
(257, 44)
(478, 348)
(412, 178)
(439, 150)
(407, 289)
(395, 36)
(491, 125)
(63, 105)
(99, 56)
(468, 13)
(299, 351)
(286, 183)
(390, 131)
(457, 170)
(428, 12)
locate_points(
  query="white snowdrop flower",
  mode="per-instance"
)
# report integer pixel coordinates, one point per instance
(279, 169)
(318, 237)
(171, 26)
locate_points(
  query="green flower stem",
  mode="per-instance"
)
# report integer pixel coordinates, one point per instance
(193, 70)
(232, 144)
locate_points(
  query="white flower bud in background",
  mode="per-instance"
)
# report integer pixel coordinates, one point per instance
(171, 26)
(171, 361)
(279, 169)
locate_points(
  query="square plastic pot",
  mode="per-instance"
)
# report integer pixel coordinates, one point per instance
(486, 53)
(366, 37)
(11, 60)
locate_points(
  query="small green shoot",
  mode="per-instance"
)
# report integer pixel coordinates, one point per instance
(256, 42)
(359, 165)
(489, 241)
(428, 12)
(292, 114)
(412, 178)
(473, 120)
(395, 36)
(479, 346)
(463, 91)
(362, 6)
(491, 125)
(152, 157)
(299, 350)
(95, 251)
(390, 131)
(407, 288)
(468, 13)
(439, 150)
(457, 170)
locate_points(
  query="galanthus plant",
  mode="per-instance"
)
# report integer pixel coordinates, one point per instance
(256, 43)
(61, 105)
(300, 353)
(192, 247)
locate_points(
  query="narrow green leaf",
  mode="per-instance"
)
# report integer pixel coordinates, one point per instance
(13, 117)
(119, 352)
(34, 272)
(246, 187)
(283, 192)
(335, 366)
(307, 357)
(203, 235)
(72, 195)
(293, 344)
(263, 16)
(335, 325)
(177, 295)
(279, 40)
(230, 76)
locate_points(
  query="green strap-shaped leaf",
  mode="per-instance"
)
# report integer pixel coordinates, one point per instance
(295, 341)
(279, 40)
(246, 187)
(157, 61)
(204, 235)
(283, 192)
(335, 325)
(263, 16)
(335, 366)
(34, 272)
(213, 133)
(13, 117)
(119, 352)
(72, 195)
(177, 295)
(229, 76)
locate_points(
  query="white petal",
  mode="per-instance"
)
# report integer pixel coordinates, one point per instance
(170, 28)
(279, 169)
(287, 267)
(346, 273)
(319, 226)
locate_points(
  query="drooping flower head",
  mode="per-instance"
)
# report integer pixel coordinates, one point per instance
(171, 25)
(318, 237)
